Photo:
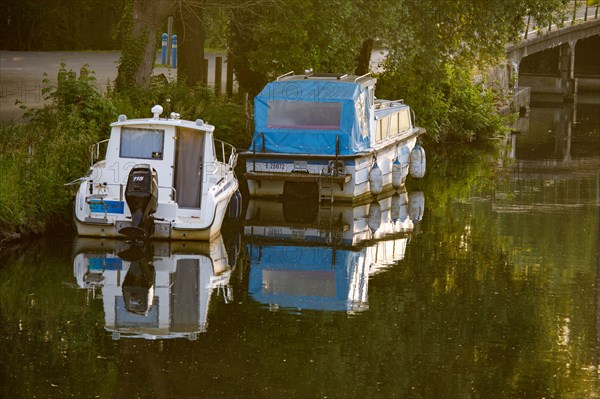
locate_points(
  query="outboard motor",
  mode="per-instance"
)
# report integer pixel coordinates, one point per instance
(138, 285)
(141, 195)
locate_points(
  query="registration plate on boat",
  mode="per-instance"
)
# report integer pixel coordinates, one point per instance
(107, 206)
(275, 166)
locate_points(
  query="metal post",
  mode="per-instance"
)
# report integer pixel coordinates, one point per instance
(163, 55)
(169, 34)
(586, 9)
(174, 49)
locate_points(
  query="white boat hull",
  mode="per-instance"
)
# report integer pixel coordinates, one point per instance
(278, 170)
(161, 178)
(201, 224)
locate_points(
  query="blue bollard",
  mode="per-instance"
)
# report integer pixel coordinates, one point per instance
(174, 51)
(165, 40)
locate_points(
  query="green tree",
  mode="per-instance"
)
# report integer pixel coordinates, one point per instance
(434, 50)
(138, 29)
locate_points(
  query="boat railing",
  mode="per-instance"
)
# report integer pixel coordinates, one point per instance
(284, 75)
(387, 103)
(95, 151)
(228, 154)
(254, 149)
(173, 191)
(362, 76)
(121, 187)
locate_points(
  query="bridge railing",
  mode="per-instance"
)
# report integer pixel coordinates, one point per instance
(580, 11)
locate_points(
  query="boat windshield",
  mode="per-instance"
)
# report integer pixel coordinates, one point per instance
(142, 143)
(304, 115)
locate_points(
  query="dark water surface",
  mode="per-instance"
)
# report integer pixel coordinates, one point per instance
(481, 281)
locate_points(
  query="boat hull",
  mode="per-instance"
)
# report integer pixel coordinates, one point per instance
(194, 225)
(271, 175)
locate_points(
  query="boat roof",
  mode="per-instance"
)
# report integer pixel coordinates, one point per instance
(364, 80)
(166, 122)
(174, 120)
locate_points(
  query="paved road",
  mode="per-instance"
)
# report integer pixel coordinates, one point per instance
(21, 74)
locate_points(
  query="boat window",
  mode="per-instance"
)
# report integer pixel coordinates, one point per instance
(383, 126)
(304, 115)
(142, 143)
(404, 120)
(394, 125)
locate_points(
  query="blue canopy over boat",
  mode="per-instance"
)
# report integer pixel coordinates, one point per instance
(305, 116)
(306, 278)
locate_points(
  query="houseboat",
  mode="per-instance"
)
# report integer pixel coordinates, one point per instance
(156, 289)
(164, 178)
(307, 256)
(326, 136)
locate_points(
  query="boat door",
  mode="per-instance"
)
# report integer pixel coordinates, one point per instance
(188, 167)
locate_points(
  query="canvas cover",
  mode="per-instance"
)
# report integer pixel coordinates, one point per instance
(320, 278)
(332, 107)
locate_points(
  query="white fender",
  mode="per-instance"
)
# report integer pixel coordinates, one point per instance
(376, 180)
(374, 216)
(399, 207)
(416, 206)
(417, 162)
(397, 174)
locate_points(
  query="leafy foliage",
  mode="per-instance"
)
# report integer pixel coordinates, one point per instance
(434, 50)
(37, 159)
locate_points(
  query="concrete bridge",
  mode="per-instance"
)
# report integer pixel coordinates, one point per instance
(561, 46)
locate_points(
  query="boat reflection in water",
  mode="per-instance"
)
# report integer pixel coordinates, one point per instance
(310, 256)
(155, 290)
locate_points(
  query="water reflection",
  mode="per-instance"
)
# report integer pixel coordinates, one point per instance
(312, 256)
(556, 164)
(154, 290)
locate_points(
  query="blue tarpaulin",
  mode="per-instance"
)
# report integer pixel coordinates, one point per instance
(306, 117)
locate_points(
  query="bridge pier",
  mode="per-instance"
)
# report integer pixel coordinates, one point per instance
(568, 83)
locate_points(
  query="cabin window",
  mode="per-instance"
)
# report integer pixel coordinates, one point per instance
(383, 126)
(142, 143)
(304, 115)
(404, 120)
(394, 125)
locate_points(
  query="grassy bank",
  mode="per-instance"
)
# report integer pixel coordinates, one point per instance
(39, 157)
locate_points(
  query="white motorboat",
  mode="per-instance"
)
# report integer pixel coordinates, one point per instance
(326, 136)
(164, 178)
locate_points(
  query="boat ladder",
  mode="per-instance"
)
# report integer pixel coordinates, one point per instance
(326, 187)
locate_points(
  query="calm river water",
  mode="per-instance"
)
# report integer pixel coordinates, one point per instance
(481, 281)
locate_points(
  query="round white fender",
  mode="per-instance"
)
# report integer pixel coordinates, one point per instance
(399, 207)
(376, 179)
(417, 162)
(416, 206)
(397, 178)
(374, 220)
